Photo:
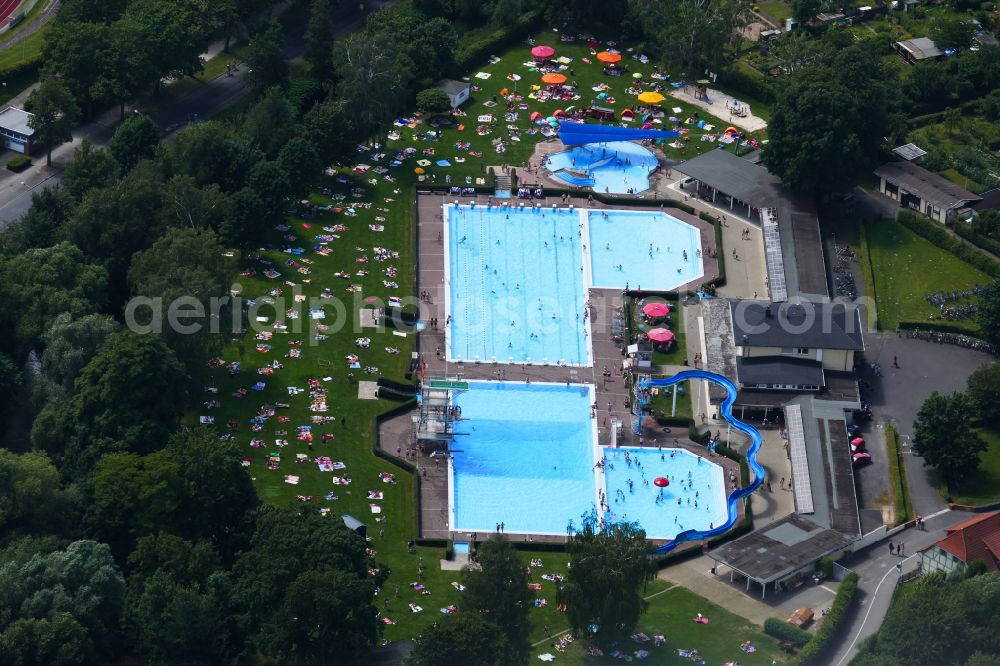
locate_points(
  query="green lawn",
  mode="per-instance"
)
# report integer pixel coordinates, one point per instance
(28, 48)
(906, 267)
(677, 353)
(984, 485)
(517, 152)
(671, 614)
(776, 10)
(362, 199)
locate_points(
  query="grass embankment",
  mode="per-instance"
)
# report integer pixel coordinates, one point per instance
(902, 504)
(671, 614)
(983, 485)
(906, 267)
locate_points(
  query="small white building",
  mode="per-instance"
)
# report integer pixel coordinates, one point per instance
(457, 91)
(16, 132)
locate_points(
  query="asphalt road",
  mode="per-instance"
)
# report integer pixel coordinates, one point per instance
(878, 578)
(202, 102)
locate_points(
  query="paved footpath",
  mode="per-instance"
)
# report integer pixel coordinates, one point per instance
(878, 577)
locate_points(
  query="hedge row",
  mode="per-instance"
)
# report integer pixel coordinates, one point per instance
(985, 242)
(784, 631)
(21, 68)
(757, 87)
(814, 651)
(936, 234)
(897, 475)
(476, 47)
(940, 326)
(18, 163)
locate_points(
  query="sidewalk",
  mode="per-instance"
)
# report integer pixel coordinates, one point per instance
(878, 579)
(718, 104)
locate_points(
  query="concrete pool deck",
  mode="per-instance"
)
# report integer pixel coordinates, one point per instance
(396, 432)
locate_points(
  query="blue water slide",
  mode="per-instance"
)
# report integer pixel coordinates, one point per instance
(577, 133)
(726, 409)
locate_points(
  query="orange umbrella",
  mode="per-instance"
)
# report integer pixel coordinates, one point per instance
(609, 57)
(554, 79)
(558, 112)
(419, 171)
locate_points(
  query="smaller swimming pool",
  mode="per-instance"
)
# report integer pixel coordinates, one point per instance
(694, 499)
(615, 167)
(646, 249)
(461, 547)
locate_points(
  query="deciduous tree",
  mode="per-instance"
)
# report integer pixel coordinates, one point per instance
(499, 591)
(983, 390)
(943, 436)
(610, 565)
(41, 284)
(135, 139)
(267, 60)
(54, 115)
(988, 312)
(91, 168)
(465, 638)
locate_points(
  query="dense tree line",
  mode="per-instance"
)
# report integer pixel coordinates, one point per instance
(940, 619)
(159, 529)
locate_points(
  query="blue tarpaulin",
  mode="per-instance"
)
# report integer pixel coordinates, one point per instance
(576, 133)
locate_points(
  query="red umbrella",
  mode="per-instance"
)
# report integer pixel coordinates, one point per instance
(661, 335)
(660, 482)
(656, 310)
(543, 51)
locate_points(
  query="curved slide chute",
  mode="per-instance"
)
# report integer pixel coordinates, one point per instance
(726, 409)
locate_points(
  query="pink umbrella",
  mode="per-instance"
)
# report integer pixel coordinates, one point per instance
(543, 51)
(661, 335)
(656, 310)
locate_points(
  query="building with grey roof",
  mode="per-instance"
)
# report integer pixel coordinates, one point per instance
(773, 358)
(918, 49)
(826, 520)
(793, 248)
(923, 191)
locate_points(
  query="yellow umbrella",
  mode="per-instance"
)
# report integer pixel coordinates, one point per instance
(419, 171)
(650, 97)
(553, 78)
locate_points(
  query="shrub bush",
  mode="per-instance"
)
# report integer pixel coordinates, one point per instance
(751, 86)
(476, 47)
(825, 567)
(936, 234)
(19, 163)
(813, 652)
(985, 242)
(786, 632)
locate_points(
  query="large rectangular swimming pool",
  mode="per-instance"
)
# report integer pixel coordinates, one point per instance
(515, 285)
(517, 277)
(525, 457)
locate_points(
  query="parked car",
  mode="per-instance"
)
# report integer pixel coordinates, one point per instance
(861, 459)
(853, 430)
(857, 445)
